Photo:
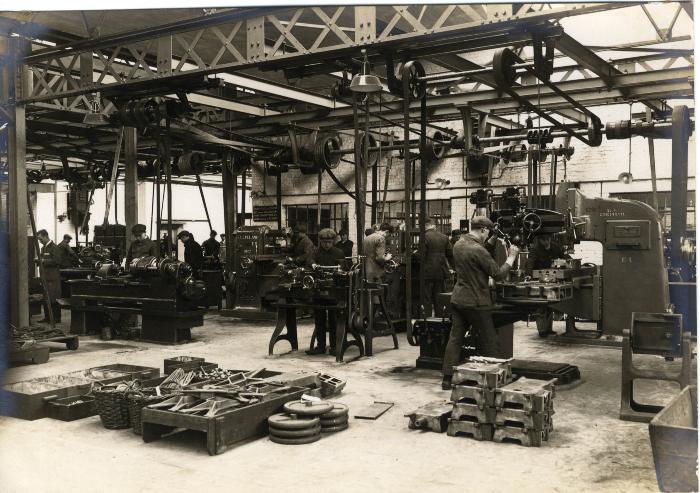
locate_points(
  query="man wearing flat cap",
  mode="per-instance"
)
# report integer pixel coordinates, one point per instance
(70, 258)
(326, 254)
(193, 251)
(471, 298)
(302, 247)
(141, 246)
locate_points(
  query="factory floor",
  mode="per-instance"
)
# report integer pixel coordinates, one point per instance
(590, 449)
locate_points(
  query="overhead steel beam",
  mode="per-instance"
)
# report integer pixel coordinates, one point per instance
(265, 23)
(677, 81)
(589, 60)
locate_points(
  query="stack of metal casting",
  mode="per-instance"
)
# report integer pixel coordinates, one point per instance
(488, 405)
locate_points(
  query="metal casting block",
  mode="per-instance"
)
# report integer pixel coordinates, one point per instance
(477, 431)
(489, 375)
(523, 436)
(473, 413)
(432, 416)
(522, 419)
(526, 394)
(480, 396)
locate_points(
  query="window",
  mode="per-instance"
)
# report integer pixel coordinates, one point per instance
(439, 210)
(664, 205)
(333, 216)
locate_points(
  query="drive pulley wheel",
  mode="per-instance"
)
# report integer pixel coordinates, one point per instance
(595, 132)
(339, 410)
(295, 433)
(283, 421)
(295, 441)
(414, 71)
(323, 152)
(373, 156)
(504, 72)
(307, 408)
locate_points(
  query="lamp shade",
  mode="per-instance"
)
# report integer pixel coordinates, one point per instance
(365, 83)
(625, 178)
(94, 118)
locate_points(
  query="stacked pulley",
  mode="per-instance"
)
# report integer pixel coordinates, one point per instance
(304, 420)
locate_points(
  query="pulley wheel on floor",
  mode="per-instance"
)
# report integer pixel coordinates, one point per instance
(295, 433)
(307, 408)
(334, 429)
(295, 441)
(339, 410)
(283, 421)
(328, 423)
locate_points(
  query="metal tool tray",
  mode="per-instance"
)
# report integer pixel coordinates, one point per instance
(222, 431)
(72, 408)
(27, 400)
(116, 372)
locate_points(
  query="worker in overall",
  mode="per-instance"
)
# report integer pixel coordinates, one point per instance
(540, 257)
(51, 258)
(193, 251)
(141, 245)
(211, 247)
(302, 247)
(326, 254)
(455, 235)
(374, 249)
(471, 298)
(69, 258)
(437, 263)
(345, 244)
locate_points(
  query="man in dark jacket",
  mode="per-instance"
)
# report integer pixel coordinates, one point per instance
(437, 263)
(302, 247)
(325, 255)
(141, 246)
(70, 258)
(193, 251)
(211, 246)
(540, 257)
(345, 244)
(471, 298)
(543, 252)
(51, 258)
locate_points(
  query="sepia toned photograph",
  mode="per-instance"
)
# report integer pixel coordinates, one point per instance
(348, 248)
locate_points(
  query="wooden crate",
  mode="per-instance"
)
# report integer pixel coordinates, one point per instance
(221, 431)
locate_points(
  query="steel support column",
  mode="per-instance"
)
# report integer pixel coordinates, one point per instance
(131, 190)
(230, 193)
(679, 180)
(14, 86)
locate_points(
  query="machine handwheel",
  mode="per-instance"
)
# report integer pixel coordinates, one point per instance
(532, 222)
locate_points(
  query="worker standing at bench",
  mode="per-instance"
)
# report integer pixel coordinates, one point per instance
(141, 245)
(326, 254)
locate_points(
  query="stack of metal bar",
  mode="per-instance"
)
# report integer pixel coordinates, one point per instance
(489, 405)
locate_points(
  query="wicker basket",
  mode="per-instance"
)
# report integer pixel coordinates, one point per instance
(137, 401)
(112, 406)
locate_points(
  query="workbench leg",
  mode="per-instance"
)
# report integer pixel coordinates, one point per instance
(153, 431)
(286, 317)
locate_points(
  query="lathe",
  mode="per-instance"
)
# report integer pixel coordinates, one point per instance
(162, 291)
(320, 287)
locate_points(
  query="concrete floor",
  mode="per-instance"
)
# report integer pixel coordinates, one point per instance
(590, 449)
